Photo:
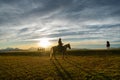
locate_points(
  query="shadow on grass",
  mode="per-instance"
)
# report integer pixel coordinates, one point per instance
(91, 73)
(58, 70)
(64, 74)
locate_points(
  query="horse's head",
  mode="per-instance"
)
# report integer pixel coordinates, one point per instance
(68, 45)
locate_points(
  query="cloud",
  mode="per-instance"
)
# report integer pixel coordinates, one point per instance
(73, 20)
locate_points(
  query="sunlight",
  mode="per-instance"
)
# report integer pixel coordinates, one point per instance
(44, 42)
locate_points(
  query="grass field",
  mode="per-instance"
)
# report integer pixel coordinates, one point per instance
(79, 65)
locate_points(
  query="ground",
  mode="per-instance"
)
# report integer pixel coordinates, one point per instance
(77, 66)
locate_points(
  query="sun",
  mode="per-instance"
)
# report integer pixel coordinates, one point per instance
(44, 42)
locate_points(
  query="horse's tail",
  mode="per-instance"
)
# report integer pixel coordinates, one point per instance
(51, 50)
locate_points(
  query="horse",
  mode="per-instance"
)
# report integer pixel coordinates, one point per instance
(63, 50)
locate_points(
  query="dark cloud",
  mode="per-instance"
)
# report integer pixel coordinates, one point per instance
(72, 9)
(97, 27)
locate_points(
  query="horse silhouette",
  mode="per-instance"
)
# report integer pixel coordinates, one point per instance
(63, 50)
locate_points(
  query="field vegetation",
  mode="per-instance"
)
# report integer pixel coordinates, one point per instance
(78, 65)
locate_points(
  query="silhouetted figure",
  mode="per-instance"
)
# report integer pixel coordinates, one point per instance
(108, 44)
(60, 44)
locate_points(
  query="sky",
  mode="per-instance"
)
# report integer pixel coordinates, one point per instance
(82, 23)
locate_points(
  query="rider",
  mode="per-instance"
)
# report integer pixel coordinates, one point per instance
(60, 44)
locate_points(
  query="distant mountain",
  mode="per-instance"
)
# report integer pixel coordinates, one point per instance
(11, 49)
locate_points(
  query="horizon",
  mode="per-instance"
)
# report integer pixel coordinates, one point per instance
(73, 48)
(82, 23)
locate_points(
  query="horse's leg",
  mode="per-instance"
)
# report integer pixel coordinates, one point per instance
(63, 54)
(51, 53)
(54, 54)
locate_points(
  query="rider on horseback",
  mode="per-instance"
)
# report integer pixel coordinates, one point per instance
(60, 44)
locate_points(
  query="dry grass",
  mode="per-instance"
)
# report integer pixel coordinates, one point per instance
(40, 67)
